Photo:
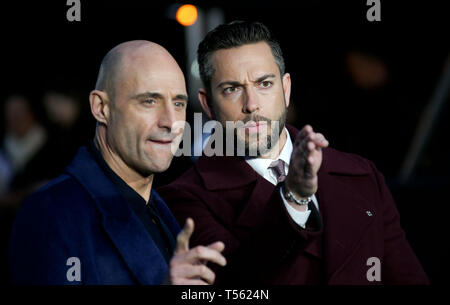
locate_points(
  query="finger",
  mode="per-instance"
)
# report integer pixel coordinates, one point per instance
(196, 272)
(306, 130)
(307, 159)
(206, 274)
(184, 275)
(299, 155)
(313, 156)
(311, 146)
(191, 282)
(307, 145)
(320, 140)
(316, 165)
(201, 254)
(184, 236)
(218, 246)
(308, 154)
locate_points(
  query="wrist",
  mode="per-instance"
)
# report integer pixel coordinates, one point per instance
(292, 197)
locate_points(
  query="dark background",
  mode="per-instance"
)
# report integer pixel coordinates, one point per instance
(42, 51)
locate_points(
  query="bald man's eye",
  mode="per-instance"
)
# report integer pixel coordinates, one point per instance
(149, 102)
(180, 104)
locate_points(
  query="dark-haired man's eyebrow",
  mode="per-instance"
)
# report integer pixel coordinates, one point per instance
(264, 77)
(236, 84)
(230, 83)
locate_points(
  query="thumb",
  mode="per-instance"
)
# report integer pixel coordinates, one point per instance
(184, 236)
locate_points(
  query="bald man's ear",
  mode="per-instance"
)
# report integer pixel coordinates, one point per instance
(100, 106)
(205, 101)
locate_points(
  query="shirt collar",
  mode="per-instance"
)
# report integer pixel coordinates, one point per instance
(261, 165)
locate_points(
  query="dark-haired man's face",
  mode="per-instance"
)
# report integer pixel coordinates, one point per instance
(247, 86)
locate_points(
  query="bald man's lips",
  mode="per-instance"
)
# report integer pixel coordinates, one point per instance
(161, 141)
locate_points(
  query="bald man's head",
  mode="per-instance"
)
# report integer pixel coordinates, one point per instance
(139, 100)
(108, 71)
(112, 67)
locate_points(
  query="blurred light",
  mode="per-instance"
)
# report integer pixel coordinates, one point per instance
(187, 14)
(195, 70)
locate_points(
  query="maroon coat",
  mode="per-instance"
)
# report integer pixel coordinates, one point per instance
(230, 202)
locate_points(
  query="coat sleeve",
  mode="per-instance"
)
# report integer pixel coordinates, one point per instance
(256, 259)
(39, 247)
(400, 265)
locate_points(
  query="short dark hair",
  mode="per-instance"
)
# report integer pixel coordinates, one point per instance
(231, 35)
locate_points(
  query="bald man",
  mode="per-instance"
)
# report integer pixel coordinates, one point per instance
(100, 222)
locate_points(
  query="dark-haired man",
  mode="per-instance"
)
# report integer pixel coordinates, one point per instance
(100, 222)
(299, 212)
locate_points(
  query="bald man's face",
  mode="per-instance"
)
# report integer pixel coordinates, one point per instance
(150, 97)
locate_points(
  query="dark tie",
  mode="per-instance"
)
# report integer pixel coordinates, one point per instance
(278, 168)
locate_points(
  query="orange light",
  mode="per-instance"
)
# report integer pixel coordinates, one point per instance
(187, 14)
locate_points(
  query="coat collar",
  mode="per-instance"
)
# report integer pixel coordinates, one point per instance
(234, 172)
(133, 242)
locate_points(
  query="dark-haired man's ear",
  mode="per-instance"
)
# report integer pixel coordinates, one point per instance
(205, 102)
(287, 88)
(99, 102)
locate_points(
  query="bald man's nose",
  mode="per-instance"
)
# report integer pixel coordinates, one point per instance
(251, 102)
(167, 117)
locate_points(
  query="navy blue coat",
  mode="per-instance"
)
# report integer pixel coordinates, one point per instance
(81, 214)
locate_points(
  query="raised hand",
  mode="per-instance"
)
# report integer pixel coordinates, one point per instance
(188, 266)
(305, 162)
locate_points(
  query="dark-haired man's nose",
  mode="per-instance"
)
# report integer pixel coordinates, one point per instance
(251, 102)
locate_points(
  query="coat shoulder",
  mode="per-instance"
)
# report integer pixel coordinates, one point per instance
(338, 162)
(63, 188)
(52, 224)
(60, 202)
(190, 178)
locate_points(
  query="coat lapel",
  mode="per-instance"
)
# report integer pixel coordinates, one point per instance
(128, 234)
(233, 174)
(226, 174)
(250, 217)
(166, 215)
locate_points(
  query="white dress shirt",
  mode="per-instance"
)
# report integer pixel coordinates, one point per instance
(261, 166)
